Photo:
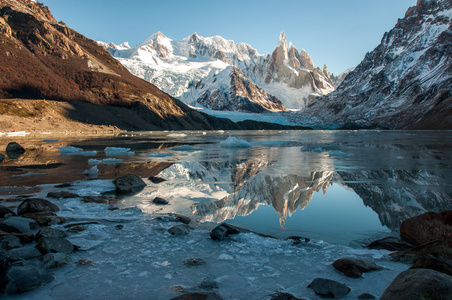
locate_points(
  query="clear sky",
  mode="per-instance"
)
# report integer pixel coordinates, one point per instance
(337, 33)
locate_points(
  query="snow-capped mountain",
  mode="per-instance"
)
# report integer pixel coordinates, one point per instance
(403, 83)
(217, 73)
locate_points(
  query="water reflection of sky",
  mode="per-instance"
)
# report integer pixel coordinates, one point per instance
(338, 217)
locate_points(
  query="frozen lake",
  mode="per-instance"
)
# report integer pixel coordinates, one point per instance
(341, 189)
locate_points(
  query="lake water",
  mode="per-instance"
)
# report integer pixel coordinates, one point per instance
(336, 186)
(341, 189)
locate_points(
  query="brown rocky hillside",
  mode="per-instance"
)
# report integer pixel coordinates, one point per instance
(42, 59)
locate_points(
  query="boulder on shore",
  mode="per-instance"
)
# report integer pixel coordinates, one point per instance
(34, 205)
(354, 267)
(14, 150)
(419, 284)
(5, 212)
(128, 184)
(222, 231)
(52, 245)
(428, 227)
(329, 288)
(436, 249)
(390, 243)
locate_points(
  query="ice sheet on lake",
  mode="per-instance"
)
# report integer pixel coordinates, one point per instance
(184, 148)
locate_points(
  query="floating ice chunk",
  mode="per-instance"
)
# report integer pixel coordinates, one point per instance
(107, 161)
(17, 133)
(93, 161)
(338, 153)
(155, 154)
(176, 135)
(93, 172)
(112, 151)
(71, 150)
(232, 142)
(183, 148)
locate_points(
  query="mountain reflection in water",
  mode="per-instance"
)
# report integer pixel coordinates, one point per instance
(344, 183)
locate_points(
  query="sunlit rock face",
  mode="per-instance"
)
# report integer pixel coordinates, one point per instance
(405, 81)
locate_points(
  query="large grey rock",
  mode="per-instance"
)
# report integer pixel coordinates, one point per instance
(24, 253)
(182, 229)
(419, 284)
(14, 150)
(128, 184)
(51, 245)
(25, 277)
(34, 205)
(25, 225)
(329, 288)
(9, 242)
(55, 260)
(433, 263)
(428, 227)
(222, 231)
(354, 267)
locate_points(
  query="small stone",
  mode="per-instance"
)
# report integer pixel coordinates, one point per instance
(2, 158)
(24, 225)
(298, 239)
(63, 185)
(34, 205)
(283, 296)
(77, 229)
(6, 212)
(182, 218)
(182, 229)
(194, 262)
(96, 199)
(26, 277)
(49, 245)
(50, 232)
(156, 180)
(24, 237)
(14, 150)
(354, 267)
(119, 227)
(160, 201)
(329, 288)
(198, 296)
(128, 184)
(222, 231)
(23, 253)
(9, 242)
(365, 296)
(62, 194)
(55, 260)
(390, 243)
(45, 218)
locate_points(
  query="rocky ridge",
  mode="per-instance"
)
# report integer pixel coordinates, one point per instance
(404, 82)
(189, 69)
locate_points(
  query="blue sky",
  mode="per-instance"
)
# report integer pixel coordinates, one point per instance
(336, 33)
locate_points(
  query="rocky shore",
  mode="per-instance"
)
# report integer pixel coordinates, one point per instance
(40, 237)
